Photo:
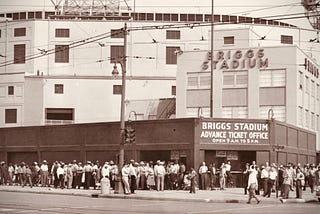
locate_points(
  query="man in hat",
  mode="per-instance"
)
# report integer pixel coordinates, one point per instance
(88, 175)
(160, 172)
(312, 177)
(44, 172)
(74, 169)
(286, 182)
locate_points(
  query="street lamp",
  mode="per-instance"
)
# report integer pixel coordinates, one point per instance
(277, 148)
(123, 62)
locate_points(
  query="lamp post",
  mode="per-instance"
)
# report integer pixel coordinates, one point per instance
(277, 148)
(123, 62)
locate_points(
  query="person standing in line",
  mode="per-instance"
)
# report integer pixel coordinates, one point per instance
(74, 169)
(192, 176)
(299, 182)
(10, 174)
(133, 176)
(150, 177)
(60, 175)
(160, 172)
(286, 182)
(312, 177)
(44, 171)
(80, 173)
(271, 180)
(228, 174)
(306, 176)
(69, 176)
(54, 174)
(23, 178)
(125, 172)
(253, 184)
(213, 176)
(114, 171)
(264, 180)
(203, 170)
(143, 175)
(28, 176)
(87, 175)
(182, 172)
(222, 176)
(16, 174)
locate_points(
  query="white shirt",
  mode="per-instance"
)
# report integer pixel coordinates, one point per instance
(44, 167)
(203, 169)
(273, 175)
(105, 170)
(60, 171)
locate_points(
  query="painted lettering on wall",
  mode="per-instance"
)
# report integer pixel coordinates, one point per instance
(234, 132)
(236, 59)
(311, 68)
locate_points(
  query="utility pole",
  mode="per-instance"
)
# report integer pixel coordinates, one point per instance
(123, 63)
(211, 74)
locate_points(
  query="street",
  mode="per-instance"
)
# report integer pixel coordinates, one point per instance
(14, 202)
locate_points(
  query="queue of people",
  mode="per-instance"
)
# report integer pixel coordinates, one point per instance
(283, 178)
(163, 175)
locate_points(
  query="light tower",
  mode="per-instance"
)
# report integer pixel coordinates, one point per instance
(312, 11)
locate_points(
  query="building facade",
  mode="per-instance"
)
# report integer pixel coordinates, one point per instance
(257, 83)
(57, 69)
(188, 140)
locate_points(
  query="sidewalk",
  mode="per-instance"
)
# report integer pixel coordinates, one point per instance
(230, 195)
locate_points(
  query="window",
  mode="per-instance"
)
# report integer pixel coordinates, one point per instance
(307, 85)
(318, 123)
(234, 97)
(10, 90)
(318, 92)
(62, 32)
(62, 53)
(199, 81)
(270, 78)
(11, 116)
(300, 80)
(117, 33)
(19, 54)
(173, 34)
(58, 88)
(274, 96)
(300, 116)
(117, 89)
(286, 39)
(117, 53)
(307, 118)
(234, 112)
(313, 89)
(228, 40)
(59, 114)
(173, 90)
(19, 32)
(312, 124)
(235, 79)
(171, 56)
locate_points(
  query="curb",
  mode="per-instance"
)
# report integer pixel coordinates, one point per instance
(167, 199)
(49, 193)
(297, 200)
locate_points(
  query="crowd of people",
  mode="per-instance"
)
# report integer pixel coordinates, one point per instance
(284, 178)
(163, 175)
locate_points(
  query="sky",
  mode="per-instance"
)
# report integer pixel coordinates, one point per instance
(252, 8)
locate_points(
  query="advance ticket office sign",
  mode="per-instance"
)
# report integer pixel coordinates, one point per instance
(226, 132)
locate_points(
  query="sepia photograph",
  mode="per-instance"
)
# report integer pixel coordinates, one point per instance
(159, 106)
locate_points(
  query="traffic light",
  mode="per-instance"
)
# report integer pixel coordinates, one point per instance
(127, 135)
(130, 135)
